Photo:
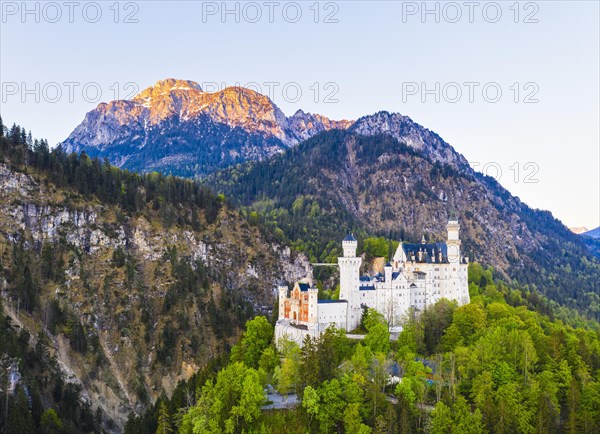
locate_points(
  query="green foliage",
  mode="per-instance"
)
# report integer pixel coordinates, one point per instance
(362, 359)
(50, 422)
(378, 335)
(322, 356)
(268, 362)
(459, 419)
(435, 319)
(287, 376)
(376, 248)
(310, 402)
(257, 337)
(442, 420)
(164, 420)
(508, 369)
(470, 320)
(49, 406)
(130, 191)
(331, 406)
(353, 422)
(228, 405)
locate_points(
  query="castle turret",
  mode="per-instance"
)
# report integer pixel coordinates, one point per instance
(349, 268)
(453, 241)
(349, 245)
(388, 272)
(283, 293)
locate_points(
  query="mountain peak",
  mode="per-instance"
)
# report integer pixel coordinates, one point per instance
(404, 129)
(166, 90)
(174, 125)
(170, 84)
(244, 96)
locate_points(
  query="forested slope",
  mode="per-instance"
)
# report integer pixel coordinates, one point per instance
(128, 283)
(338, 181)
(492, 366)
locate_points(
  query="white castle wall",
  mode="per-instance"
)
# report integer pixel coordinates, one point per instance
(333, 313)
(406, 284)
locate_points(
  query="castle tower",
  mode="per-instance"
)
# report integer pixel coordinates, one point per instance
(283, 290)
(349, 268)
(313, 305)
(388, 273)
(453, 241)
(349, 246)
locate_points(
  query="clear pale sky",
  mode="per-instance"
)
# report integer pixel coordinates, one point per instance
(376, 55)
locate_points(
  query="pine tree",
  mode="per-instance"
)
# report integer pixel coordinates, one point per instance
(164, 420)
(19, 416)
(23, 138)
(50, 422)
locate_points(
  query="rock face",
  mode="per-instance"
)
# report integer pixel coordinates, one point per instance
(177, 128)
(306, 125)
(122, 306)
(414, 135)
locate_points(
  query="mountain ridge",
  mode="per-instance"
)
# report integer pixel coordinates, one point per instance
(592, 233)
(175, 127)
(578, 230)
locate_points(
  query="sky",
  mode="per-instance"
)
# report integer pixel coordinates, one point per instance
(513, 86)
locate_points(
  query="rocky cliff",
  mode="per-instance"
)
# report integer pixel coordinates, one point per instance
(153, 302)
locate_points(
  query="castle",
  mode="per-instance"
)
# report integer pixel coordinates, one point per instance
(417, 277)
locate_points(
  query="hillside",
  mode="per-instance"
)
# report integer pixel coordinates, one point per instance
(491, 366)
(375, 185)
(129, 283)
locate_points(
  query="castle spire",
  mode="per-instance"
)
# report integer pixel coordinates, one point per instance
(400, 255)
